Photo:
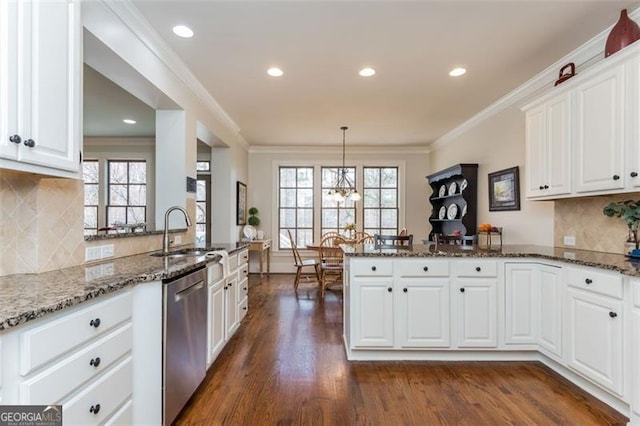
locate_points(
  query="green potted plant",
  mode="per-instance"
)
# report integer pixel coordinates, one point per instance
(253, 220)
(629, 211)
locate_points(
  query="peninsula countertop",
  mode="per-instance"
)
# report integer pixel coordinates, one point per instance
(609, 261)
(25, 297)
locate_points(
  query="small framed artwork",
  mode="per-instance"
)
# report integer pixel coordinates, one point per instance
(504, 190)
(241, 206)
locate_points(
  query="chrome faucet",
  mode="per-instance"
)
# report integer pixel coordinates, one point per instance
(165, 235)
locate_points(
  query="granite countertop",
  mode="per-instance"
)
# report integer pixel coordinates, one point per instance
(29, 296)
(609, 261)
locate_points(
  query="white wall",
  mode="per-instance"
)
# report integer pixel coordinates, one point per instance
(495, 144)
(262, 190)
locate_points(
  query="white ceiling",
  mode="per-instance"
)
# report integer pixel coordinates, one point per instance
(321, 45)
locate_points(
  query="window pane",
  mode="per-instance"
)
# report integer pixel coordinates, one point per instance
(371, 177)
(305, 218)
(388, 198)
(201, 190)
(116, 215)
(91, 194)
(305, 198)
(118, 195)
(138, 172)
(287, 177)
(389, 218)
(305, 237)
(201, 212)
(305, 177)
(347, 216)
(389, 178)
(288, 198)
(371, 218)
(203, 166)
(138, 195)
(136, 214)
(329, 177)
(117, 172)
(371, 198)
(91, 217)
(287, 218)
(329, 218)
(90, 171)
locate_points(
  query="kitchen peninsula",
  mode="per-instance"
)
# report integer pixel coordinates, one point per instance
(578, 312)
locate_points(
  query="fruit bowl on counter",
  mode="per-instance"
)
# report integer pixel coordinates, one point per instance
(490, 231)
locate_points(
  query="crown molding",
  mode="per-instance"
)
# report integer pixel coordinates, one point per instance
(585, 56)
(335, 149)
(131, 17)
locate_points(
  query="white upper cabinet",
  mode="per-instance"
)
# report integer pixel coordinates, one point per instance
(40, 86)
(548, 147)
(599, 131)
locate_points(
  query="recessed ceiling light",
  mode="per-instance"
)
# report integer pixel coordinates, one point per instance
(367, 72)
(183, 31)
(275, 72)
(457, 72)
(129, 121)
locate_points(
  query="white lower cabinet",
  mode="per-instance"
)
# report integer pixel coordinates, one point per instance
(231, 306)
(215, 312)
(475, 309)
(635, 354)
(550, 311)
(372, 312)
(595, 347)
(422, 306)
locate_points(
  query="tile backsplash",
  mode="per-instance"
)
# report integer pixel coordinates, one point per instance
(583, 219)
(41, 223)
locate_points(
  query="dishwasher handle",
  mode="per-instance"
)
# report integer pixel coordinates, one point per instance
(186, 292)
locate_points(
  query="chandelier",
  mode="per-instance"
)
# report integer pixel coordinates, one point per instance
(343, 188)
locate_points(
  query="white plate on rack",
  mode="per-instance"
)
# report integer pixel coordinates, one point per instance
(249, 231)
(443, 191)
(464, 211)
(442, 212)
(452, 188)
(452, 211)
(463, 185)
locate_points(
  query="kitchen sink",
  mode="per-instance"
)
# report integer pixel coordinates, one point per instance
(184, 252)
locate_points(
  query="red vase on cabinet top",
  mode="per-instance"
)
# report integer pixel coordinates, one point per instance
(623, 33)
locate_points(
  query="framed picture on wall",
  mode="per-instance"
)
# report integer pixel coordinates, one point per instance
(241, 206)
(504, 190)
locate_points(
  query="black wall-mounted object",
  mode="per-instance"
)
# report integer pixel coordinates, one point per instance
(192, 184)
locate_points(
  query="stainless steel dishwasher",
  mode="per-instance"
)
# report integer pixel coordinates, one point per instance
(185, 340)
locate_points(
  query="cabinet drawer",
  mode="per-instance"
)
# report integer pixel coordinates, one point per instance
(124, 416)
(422, 268)
(243, 308)
(243, 272)
(372, 267)
(243, 256)
(109, 391)
(42, 344)
(58, 381)
(243, 288)
(476, 268)
(597, 282)
(233, 263)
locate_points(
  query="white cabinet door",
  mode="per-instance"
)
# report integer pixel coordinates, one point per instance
(521, 292)
(599, 132)
(550, 313)
(548, 147)
(41, 91)
(595, 325)
(422, 313)
(635, 353)
(476, 312)
(231, 306)
(372, 312)
(215, 320)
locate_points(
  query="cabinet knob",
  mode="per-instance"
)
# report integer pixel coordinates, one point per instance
(616, 177)
(30, 143)
(405, 289)
(389, 289)
(95, 409)
(541, 187)
(230, 284)
(478, 269)
(462, 290)
(95, 323)
(244, 307)
(244, 288)
(426, 268)
(15, 138)
(613, 314)
(634, 174)
(95, 362)
(546, 187)
(373, 268)
(588, 281)
(225, 287)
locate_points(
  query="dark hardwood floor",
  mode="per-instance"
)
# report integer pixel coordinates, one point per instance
(286, 365)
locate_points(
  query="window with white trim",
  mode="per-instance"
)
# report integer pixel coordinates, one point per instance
(91, 176)
(295, 205)
(335, 215)
(380, 200)
(127, 192)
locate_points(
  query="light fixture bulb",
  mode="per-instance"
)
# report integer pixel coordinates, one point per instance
(355, 196)
(457, 72)
(183, 31)
(367, 72)
(275, 72)
(129, 121)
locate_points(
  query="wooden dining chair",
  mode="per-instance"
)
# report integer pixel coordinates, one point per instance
(332, 240)
(301, 264)
(367, 239)
(331, 262)
(393, 241)
(359, 235)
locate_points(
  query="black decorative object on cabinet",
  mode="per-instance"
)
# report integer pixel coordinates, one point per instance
(454, 200)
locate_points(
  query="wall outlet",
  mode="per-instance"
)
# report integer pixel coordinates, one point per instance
(107, 251)
(569, 240)
(92, 253)
(177, 240)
